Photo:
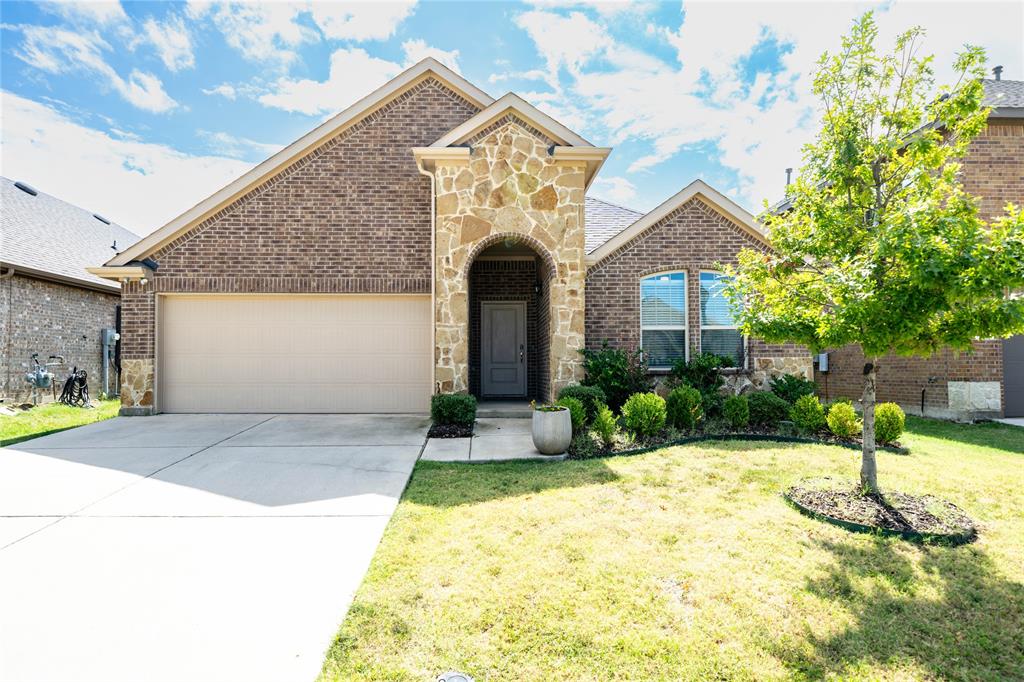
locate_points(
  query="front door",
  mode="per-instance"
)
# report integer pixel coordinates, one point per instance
(1013, 376)
(503, 349)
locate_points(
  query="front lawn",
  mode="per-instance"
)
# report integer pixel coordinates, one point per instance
(51, 418)
(686, 564)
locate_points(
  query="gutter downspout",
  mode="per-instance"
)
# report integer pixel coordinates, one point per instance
(9, 276)
(433, 274)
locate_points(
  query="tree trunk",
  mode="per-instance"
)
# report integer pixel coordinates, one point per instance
(868, 466)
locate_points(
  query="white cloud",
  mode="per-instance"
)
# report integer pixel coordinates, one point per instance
(140, 185)
(265, 32)
(227, 144)
(418, 50)
(360, 20)
(617, 190)
(704, 98)
(103, 13)
(353, 74)
(56, 50)
(172, 41)
(225, 90)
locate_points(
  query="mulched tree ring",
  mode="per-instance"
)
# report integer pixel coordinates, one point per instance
(922, 518)
(450, 431)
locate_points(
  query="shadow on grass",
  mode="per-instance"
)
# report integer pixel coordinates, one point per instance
(988, 434)
(953, 616)
(442, 484)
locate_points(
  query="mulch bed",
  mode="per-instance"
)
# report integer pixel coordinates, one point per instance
(920, 518)
(449, 431)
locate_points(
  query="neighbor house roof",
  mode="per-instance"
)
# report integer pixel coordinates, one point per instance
(605, 220)
(428, 68)
(52, 239)
(1005, 97)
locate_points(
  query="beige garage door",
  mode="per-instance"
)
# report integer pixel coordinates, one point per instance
(240, 353)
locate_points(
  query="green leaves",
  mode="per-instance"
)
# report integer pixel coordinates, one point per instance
(881, 245)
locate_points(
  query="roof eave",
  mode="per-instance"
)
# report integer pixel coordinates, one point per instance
(81, 283)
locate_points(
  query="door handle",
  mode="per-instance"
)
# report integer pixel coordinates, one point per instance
(522, 353)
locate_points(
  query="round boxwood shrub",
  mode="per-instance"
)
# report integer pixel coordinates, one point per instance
(590, 396)
(767, 409)
(644, 414)
(807, 414)
(453, 408)
(577, 413)
(736, 411)
(790, 387)
(889, 422)
(684, 408)
(842, 420)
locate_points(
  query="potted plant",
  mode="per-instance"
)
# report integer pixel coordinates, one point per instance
(552, 429)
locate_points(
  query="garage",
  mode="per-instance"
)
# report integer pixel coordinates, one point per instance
(294, 353)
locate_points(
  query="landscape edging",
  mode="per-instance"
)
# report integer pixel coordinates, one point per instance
(746, 436)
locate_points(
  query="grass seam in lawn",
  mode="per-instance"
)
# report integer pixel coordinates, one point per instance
(21, 439)
(950, 539)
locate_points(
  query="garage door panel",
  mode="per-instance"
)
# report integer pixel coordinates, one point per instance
(294, 353)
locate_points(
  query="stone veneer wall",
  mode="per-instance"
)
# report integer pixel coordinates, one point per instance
(512, 189)
(39, 316)
(351, 216)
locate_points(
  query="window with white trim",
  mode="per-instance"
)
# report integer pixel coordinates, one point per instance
(663, 318)
(719, 333)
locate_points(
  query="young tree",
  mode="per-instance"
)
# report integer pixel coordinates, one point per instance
(880, 245)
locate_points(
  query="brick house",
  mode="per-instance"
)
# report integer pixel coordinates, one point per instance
(428, 238)
(989, 382)
(49, 304)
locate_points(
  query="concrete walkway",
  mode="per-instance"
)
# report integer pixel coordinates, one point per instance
(192, 547)
(494, 440)
(1012, 421)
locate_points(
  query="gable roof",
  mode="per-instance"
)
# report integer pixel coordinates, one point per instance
(52, 239)
(721, 203)
(605, 220)
(427, 68)
(512, 103)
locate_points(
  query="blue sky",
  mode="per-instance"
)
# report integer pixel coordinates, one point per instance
(138, 110)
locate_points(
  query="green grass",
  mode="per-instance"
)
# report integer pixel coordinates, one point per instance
(686, 564)
(51, 418)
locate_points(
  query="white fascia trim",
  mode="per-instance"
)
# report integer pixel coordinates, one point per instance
(593, 156)
(118, 273)
(723, 204)
(427, 157)
(301, 147)
(525, 110)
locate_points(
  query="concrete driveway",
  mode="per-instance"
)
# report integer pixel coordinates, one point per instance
(192, 547)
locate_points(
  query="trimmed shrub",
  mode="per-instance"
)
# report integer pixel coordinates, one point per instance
(618, 373)
(644, 414)
(736, 410)
(591, 396)
(605, 426)
(889, 422)
(702, 373)
(791, 388)
(842, 420)
(453, 408)
(582, 446)
(767, 409)
(684, 407)
(577, 413)
(807, 414)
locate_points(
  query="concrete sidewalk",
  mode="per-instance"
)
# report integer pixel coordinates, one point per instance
(494, 440)
(192, 547)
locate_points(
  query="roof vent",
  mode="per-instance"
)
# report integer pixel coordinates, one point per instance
(100, 218)
(27, 189)
(997, 71)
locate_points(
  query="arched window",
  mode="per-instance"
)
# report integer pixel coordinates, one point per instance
(663, 318)
(719, 333)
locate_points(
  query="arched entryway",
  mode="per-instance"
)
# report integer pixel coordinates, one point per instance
(509, 320)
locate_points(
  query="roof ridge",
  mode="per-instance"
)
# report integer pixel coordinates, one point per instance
(620, 206)
(94, 214)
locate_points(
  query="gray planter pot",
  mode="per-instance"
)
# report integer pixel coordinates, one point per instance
(552, 431)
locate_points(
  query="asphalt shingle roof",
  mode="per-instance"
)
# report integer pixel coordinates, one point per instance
(1004, 94)
(46, 235)
(605, 220)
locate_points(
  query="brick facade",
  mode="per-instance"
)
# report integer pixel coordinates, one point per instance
(692, 238)
(352, 216)
(38, 316)
(955, 385)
